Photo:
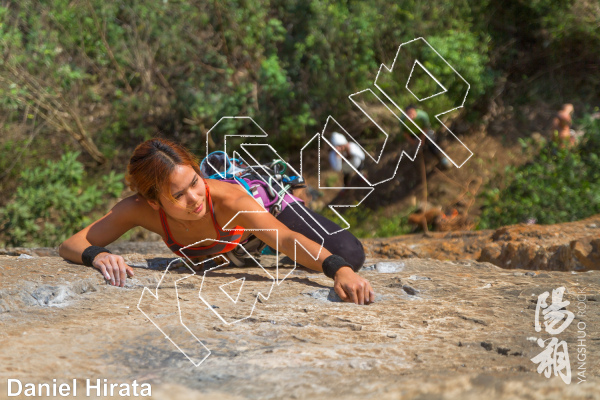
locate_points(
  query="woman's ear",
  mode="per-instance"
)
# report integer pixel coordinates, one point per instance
(154, 204)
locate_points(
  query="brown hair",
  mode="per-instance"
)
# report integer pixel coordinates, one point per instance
(151, 164)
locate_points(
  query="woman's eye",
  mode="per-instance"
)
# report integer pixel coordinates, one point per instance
(195, 183)
(178, 196)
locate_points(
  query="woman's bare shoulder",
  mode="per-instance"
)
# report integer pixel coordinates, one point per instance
(134, 208)
(133, 203)
(227, 198)
(225, 190)
(135, 211)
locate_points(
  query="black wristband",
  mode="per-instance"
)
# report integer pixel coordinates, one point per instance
(332, 264)
(90, 253)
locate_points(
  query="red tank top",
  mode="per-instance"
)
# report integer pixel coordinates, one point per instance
(226, 240)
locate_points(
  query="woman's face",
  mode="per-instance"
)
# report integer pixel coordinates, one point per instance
(189, 192)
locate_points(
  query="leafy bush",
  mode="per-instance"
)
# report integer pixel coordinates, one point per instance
(50, 204)
(126, 70)
(560, 185)
(117, 73)
(365, 223)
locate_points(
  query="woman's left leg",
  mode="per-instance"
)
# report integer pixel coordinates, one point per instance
(297, 218)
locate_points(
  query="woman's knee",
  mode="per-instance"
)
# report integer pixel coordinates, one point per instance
(357, 256)
(347, 246)
(343, 243)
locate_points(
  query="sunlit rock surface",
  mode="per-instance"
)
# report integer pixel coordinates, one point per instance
(439, 329)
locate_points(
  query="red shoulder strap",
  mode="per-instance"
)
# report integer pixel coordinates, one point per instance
(165, 225)
(212, 210)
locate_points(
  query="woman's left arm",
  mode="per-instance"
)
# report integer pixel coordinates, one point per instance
(348, 285)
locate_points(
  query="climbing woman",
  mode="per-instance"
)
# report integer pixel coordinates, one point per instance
(175, 200)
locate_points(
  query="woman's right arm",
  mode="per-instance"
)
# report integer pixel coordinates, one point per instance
(124, 216)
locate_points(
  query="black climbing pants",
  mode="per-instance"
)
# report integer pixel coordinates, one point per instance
(343, 243)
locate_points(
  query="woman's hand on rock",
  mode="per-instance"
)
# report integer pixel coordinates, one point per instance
(113, 268)
(353, 288)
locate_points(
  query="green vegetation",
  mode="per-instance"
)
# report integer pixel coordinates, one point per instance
(50, 204)
(98, 77)
(560, 185)
(119, 72)
(365, 223)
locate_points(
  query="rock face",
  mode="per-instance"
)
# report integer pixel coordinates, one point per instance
(571, 246)
(579, 255)
(439, 329)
